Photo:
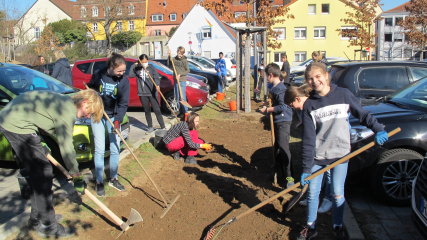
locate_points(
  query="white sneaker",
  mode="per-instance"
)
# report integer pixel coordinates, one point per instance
(325, 206)
(303, 202)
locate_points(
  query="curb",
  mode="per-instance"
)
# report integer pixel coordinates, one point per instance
(351, 226)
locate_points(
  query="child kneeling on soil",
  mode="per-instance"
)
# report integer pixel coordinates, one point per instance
(183, 139)
(326, 139)
(282, 117)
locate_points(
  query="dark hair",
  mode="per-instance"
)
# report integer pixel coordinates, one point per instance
(143, 56)
(315, 65)
(221, 53)
(284, 55)
(37, 61)
(190, 120)
(115, 60)
(293, 92)
(273, 69)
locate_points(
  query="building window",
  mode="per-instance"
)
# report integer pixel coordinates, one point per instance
(83, 12)
(281, 33)
(119, 11)
(300, 56)
(207, 32)
(389, 21)
(388, 37)
(398, 37)
(319, 33)
(325, 8)
(311, 9)
(184, 15)
(407, 53)
(172, 17)
(241, 2)
(406, 38)
(347, 32)
(238, 14)
(278, 56)
(119, 26)
(300, 33)
(398, 21)
(157, 32)
(157, 18)
(106, 10)
(95, 11)
(94, 27)
(131, 9)
(131, 25)
(37, 33)
(323, 53)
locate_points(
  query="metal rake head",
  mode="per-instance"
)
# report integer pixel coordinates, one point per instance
(211, 233)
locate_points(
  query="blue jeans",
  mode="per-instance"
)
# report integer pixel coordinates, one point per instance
(182, 108)
(98, 130)
(338, 175)
(221, 82)
(327, 182)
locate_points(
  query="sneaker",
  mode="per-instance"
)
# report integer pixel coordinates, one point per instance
(33, 223)
(150, 130)
(176, 156)
(190, 160)
(303, 202)
(339, 233)
(290, 182)
(325, 206)
(307, 233)
(99, 189)
(55, 230)
(115, 184)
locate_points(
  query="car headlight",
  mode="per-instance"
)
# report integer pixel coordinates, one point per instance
(359, 133)
(193, 85)
(83, 121)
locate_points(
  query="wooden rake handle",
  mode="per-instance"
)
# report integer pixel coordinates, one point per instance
(355, 153)
(176, 75)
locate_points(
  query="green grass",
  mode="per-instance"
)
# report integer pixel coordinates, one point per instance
(146, 153)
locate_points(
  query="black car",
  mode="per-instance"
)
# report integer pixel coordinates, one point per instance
(372, 80)
(391, 168)
(419, 200)
(212, 79)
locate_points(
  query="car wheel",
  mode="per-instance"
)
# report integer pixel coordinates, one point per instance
(392, 176)
(170, 97)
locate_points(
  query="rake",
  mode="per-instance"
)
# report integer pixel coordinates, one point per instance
(212, 233)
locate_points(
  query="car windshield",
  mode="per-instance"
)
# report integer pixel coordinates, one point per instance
(20, 79)
(205, 62)
(335, 73)
(412, 95)
(307, 61)
(193, 67)
(161, 67)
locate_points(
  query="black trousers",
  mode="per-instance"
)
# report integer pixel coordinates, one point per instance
(147, 109)
(283, 156)
(30, 154)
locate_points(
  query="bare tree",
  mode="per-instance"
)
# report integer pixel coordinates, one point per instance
(416, 24)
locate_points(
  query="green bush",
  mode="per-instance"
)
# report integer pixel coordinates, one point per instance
(123, 38)
(68, 31)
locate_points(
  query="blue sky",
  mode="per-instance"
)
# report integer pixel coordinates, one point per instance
(388, 4)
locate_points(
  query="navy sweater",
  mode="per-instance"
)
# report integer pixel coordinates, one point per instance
(114, 92)
(326, 133)
(282, 112)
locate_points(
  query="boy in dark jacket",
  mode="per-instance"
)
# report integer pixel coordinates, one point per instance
(182, 69)
(282, 117)
(62, 70)
(221, 71)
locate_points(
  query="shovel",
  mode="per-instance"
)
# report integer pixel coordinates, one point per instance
(134, 216)
(179, 85)
(273, 139)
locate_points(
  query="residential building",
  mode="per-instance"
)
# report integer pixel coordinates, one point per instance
(125, 15)
(315, 29)
(392, 43)
(30, 26)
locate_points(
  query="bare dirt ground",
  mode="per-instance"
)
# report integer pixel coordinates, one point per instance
(227, 182)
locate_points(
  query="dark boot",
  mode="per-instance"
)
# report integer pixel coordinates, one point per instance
(55, 230)
(176, 156)
(190, 160)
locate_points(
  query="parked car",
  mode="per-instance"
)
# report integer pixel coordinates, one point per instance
(196, 92)
(207, 65)
(212, 79)
(230, 64)
(15, 80)
(48, 68)
(390, 169)
(372, 80)
(419, 200)
(302, 66)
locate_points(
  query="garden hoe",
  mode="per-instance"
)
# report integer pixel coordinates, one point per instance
(134, 216)
(179, 85)
(273, 139)
(168, 206)
(212, 233)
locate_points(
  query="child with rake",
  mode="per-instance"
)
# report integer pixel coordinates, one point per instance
(326, 138)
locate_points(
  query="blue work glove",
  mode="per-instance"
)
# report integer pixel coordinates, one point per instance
(304, 176)
(381, 137)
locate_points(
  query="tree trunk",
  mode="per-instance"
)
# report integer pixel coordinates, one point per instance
(108, 39)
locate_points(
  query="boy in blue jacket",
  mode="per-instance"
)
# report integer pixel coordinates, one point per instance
(221, 71)
(282, 117)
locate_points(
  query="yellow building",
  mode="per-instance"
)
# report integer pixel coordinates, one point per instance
(314, 29)
(98, 31)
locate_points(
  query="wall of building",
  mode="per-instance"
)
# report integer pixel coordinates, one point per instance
(100, 34)
(163, 29)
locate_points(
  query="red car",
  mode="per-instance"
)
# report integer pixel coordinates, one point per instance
(197, 94)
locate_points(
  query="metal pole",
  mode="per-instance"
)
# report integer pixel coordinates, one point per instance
(238, 67)
(241, 71)
(256, 58)
(265, 63)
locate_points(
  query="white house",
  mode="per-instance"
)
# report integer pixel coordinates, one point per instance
(41, 13)
(204, 34)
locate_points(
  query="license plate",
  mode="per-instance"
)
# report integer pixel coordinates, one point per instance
(125, 133)
(423, 207)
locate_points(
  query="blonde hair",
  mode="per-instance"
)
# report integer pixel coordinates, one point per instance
(181, 49)
(59, 54)
(318, 55)
(315, 65)
(95, 107)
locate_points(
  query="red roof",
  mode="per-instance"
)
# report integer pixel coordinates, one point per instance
(401, 8)
(64, 5)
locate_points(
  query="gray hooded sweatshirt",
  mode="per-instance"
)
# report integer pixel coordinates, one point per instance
(62, 71)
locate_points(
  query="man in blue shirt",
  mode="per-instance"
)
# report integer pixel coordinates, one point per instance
(221, 71)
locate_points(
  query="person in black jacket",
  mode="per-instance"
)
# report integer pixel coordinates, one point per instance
(39, 64)
(286, 69)
(62, 70)
(282, 117)
(114, 89)
(147, 92)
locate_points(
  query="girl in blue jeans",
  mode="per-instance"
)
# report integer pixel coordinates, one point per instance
(114, 89)
(326, 139)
